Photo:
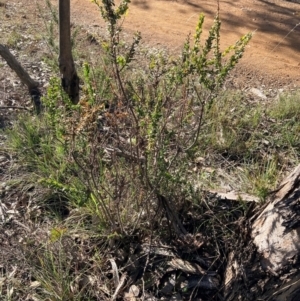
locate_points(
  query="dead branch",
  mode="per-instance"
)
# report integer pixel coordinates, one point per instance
(32, 85)
(14, 107)
(234, 196)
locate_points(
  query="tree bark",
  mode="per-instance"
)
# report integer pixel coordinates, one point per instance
(270, 269)
(70, 80)
(25, 78)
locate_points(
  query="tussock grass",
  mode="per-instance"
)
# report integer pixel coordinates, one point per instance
(285, 107)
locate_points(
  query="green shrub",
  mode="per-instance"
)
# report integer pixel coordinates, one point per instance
(125, 150)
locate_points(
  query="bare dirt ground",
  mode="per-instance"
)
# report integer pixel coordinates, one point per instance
(271, 59)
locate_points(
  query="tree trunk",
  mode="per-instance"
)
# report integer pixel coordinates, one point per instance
(70, 80)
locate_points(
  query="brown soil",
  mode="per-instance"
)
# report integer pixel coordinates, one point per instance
(272, 58)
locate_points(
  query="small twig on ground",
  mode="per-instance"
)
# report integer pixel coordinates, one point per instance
(14, 107)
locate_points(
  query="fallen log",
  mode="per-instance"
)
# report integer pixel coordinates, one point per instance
(275, 231)
(270, 268)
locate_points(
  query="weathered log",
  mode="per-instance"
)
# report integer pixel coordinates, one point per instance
(275, 231)
(271, 268)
